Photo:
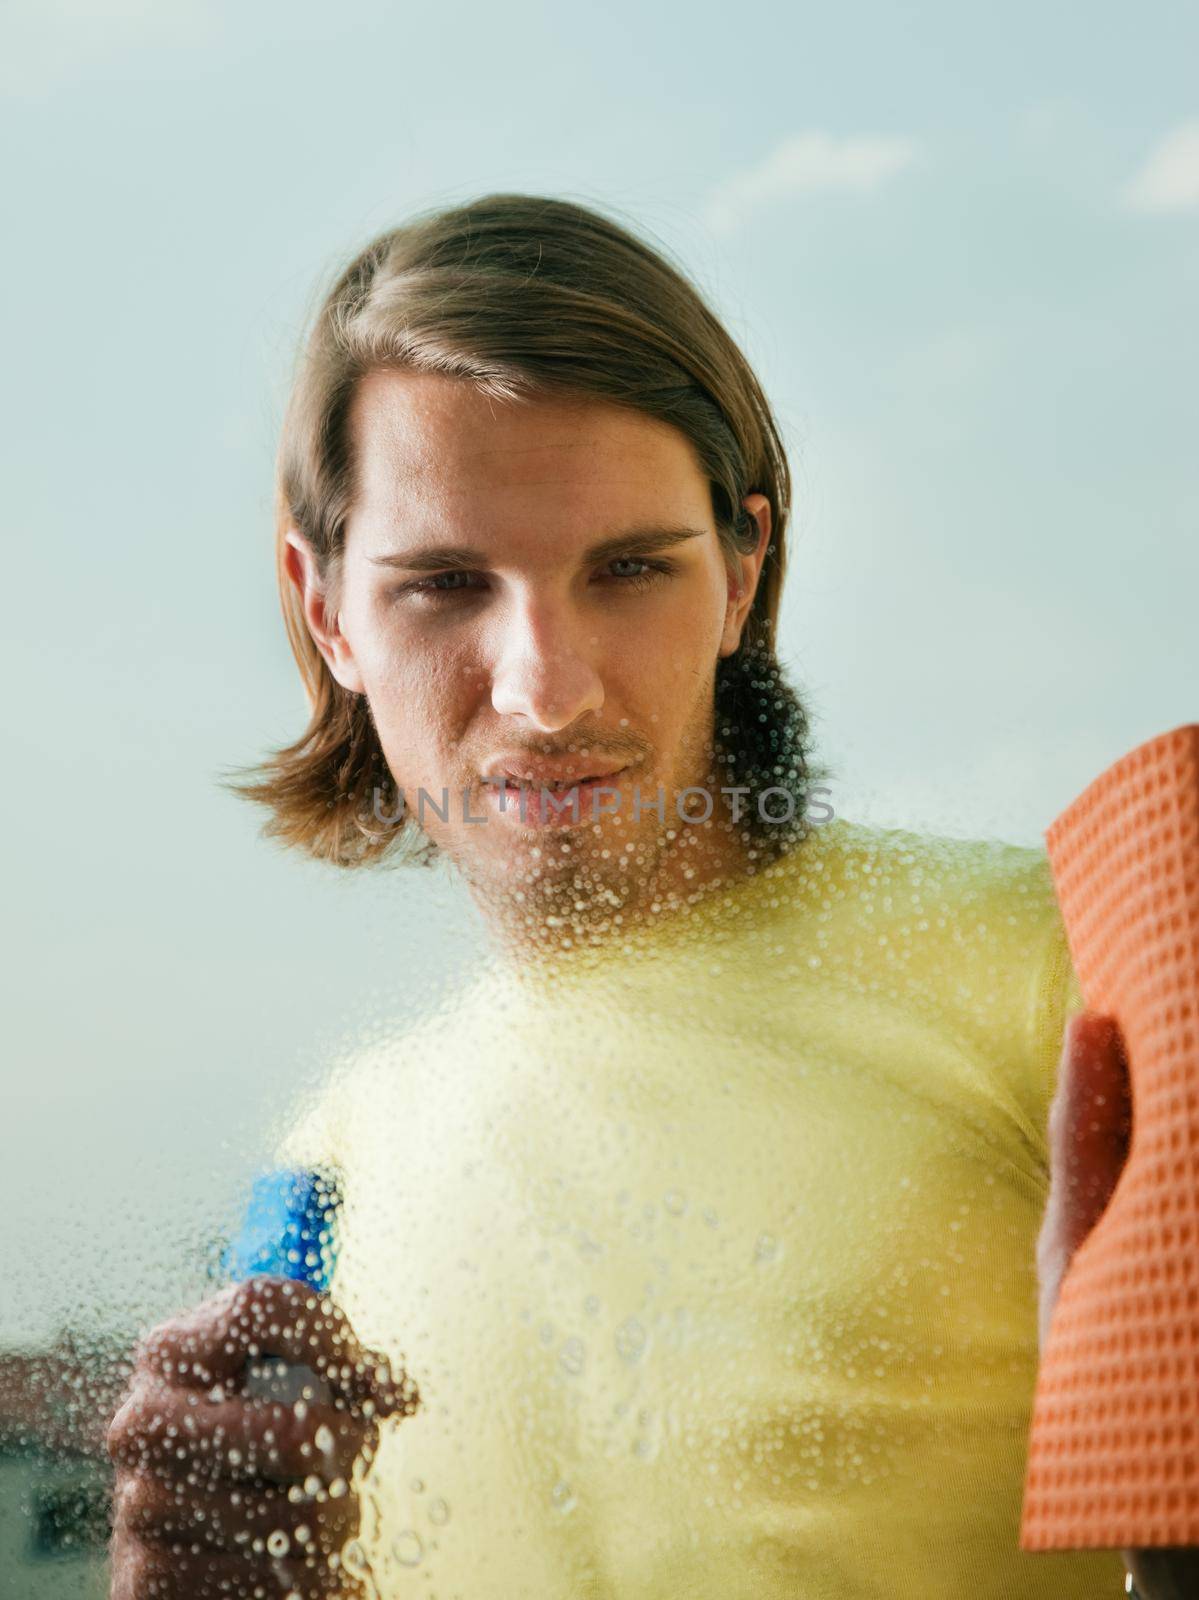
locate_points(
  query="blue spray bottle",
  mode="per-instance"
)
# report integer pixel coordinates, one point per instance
(290, 1230)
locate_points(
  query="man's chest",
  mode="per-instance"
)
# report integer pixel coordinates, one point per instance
(692, 1275)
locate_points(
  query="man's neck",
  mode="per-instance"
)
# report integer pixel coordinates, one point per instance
(550, 915)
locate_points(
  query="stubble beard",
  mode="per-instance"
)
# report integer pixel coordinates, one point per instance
(540, 892)
(583, 885)
(570, 885)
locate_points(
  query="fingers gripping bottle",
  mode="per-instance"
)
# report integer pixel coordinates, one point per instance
(289, 1230)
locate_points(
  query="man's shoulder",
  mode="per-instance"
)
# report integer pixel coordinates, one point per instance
(880, 863)
(964, 936)
(404, 1065)
(920, 912)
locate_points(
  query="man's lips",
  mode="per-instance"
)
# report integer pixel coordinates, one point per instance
(557, 783)
(540, 796)
(550, 775)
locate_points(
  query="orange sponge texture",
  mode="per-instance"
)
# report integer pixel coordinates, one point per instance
(1113, 1457)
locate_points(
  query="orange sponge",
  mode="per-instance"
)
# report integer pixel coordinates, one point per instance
(1113, 1458)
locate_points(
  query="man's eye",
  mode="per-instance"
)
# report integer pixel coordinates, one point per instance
(441, 583)
(645, 571)
(629, 571)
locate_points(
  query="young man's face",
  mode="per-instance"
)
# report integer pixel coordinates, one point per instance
(492, 636)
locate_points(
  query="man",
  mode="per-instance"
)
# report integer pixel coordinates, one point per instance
(693, 1253)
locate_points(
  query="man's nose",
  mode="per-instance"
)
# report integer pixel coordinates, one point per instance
(544, 669)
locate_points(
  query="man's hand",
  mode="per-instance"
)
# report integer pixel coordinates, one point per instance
(1090, 1124)
(218, 1494)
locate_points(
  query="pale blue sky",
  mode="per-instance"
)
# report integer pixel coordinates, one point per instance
(960, 243)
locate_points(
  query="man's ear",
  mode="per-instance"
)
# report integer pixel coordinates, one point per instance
(300, 564)
(743, 578)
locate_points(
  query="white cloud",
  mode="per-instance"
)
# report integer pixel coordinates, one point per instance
(807, 163)
(1169, 179)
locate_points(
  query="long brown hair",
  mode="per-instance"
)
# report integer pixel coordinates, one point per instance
(521, 296)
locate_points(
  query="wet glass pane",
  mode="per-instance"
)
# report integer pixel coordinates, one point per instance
(537, 987)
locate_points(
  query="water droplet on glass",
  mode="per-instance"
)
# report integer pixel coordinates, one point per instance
(630, 1340)
(564, 1498)
(407, 1548)
(572, 1357)
(353, 1559)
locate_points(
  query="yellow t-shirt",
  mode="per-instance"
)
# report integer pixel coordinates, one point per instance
(713, 1257)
